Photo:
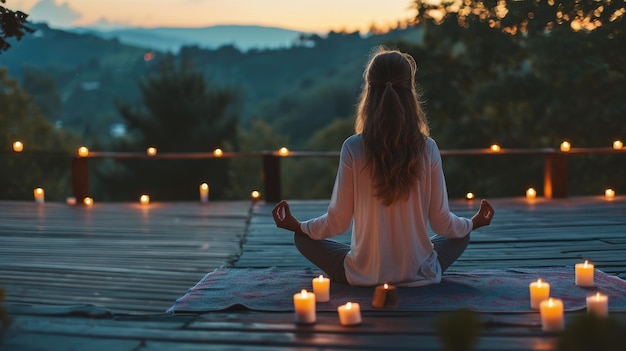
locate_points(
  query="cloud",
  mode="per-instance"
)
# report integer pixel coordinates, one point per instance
(57, 16)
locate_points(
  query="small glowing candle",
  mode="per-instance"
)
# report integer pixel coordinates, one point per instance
(531, 194)
(552, 315)
(304, 306)
(598, 304)
(495, 148)
(71, 200)
(204, 193)
(385, 295)
(144, 199)
(88, 201)
(584, 274)
(539, 291)
(609, 193)
(618, 145)
(255, 195)
(565, 146)
(469, 196)
(349, 314)
(151, 151)
(83, 151)
(218, 153)
(283, 151)
(18, 146)
(39, 195)
(321, 288)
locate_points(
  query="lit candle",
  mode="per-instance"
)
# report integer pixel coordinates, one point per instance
(552, 315)
(385, 295)
(71, 201)
(88, 201)
(304, 306)
(495, 148)
(598, 304)
(539, 291)
(618, 145)
(18, 146)
(565, 146)
(83, 151)
(531, 194)
(151, 151)
(144, 199)
(469, 196)
(255, 195)
(349, 314)
(218, 153)
(39, 195)
(204, 193)
(321, 288)
(283, 151)
(584, 274)
(609, 193)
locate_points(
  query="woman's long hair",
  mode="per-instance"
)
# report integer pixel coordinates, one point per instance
(392, 123)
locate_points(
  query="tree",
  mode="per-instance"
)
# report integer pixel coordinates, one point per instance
(11, 26)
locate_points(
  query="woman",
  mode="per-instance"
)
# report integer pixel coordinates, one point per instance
(390, 185)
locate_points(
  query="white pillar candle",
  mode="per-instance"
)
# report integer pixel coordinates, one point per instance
(385, 296)
(321, 288)
(304, 306)
(204, 193)
(539, 291)
(584, 274)
(598, 304)
(552, 315)
(39, 195)
(349, 314)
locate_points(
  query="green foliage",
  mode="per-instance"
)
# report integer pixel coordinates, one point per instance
(11, 26)
(588, 332)
(459, 330)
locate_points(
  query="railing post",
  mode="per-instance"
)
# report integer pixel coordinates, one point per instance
(555, 175)
(271, 177)
(80, 178)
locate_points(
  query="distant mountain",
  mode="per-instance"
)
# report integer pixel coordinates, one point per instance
(172, 39)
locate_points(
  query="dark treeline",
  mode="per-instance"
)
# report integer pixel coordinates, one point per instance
(524, 76)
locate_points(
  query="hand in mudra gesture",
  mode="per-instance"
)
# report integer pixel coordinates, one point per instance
(484, 215)
(283, 217)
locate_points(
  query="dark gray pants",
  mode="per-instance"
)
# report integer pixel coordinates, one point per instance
(328, 254)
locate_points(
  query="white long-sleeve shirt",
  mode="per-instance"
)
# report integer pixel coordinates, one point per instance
(390, 244)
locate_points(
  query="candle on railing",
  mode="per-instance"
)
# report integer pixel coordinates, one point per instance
(618, 145)
(144, 199)
(584, 274)
(151, 151)
(83, 151)
(255, 195)
(565, 146)
(385, 295)
(609, 193)
(539, 291)
(88, 201)
(218, 152)
(469, 196)
(531, 193)
(321, 288)
(304, 306)
(204, 193)
(283, 151)
(495, 148)
(598, 304)
(349, 314)
(18, 146)
(39, 195)
(552, 315)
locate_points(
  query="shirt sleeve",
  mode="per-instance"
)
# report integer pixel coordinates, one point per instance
(338, 217)
(442, 221)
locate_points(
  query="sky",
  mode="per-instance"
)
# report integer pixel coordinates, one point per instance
(318, 16)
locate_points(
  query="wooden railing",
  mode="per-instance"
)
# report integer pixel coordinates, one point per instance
(554, 169)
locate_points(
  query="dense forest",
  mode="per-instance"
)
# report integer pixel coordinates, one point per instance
(523, 75)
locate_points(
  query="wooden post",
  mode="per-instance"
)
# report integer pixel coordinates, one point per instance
(555, 175)
(271, 177)
(80, 178)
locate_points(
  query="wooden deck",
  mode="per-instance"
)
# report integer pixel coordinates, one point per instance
(101, 278)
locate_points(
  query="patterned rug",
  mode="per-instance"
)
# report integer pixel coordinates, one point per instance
(497, 290)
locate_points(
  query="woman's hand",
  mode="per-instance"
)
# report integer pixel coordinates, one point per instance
(484, 215)
(284, 219)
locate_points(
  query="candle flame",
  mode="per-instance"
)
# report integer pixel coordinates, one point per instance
(303, 293)
(204, 186)
(321, 277)
(586, 263)
(550, 302)
(283, 151)
(539, 282)
(218, 152)
(386, 286)
(469, 196)
(39, 190)
(348, 305)
(495, 148)
(598, 296)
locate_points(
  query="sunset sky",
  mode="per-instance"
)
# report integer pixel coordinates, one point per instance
(304, 15)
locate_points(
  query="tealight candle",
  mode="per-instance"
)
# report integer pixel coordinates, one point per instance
(495, 148)
(321, 288)
(609, 193)
(151, 151)
(552, 315)
(469, 196)
(39, 195)
(283, 151)
(144, 199)
(385, 295)
(204, 193)
(565, 146)
(88, 201)
(539, 291)
(83, 151)
(584, 274)
(304, 306)
(71, 200)
(531, 193)
(618, 145)
(218, 153)
(255, 195)
(598, 304)
(18, 146)
(349, 314)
